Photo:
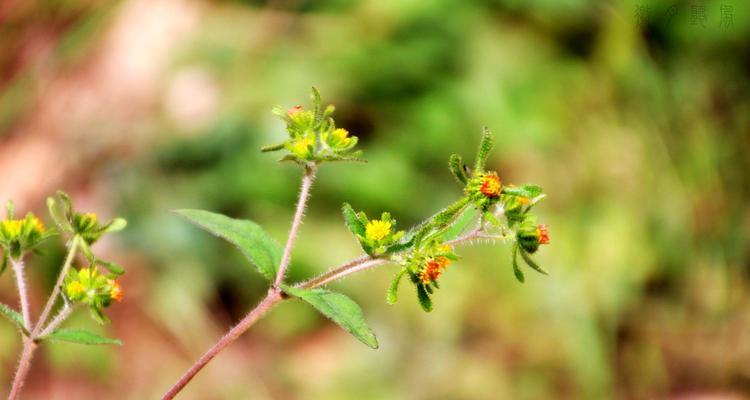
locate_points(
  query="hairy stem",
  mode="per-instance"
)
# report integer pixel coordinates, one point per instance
(56, 289)
(23, 368)
(304, 193)
(273, 297)
(30, 343)
(59, 319)
(23, 295)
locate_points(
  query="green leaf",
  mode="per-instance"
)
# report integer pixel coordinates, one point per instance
(97, 314)
(246, 235)
(80, 336)
(532, 190)
(318, 110)
(352, 220)
(59, 210)
(272, 147)
(111, 267)
(13, 316)
(461, 224)
(531, 263)
(424, 298)
(339, 308)
(392, 296)
(484, 150)
(116, 225)
(457, 167)
(517, 271)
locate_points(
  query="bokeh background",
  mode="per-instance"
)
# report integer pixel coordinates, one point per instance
(633, 115)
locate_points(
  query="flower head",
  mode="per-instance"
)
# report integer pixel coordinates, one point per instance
(301, 146)
(377, 229)
(490, 185)
(432, 269)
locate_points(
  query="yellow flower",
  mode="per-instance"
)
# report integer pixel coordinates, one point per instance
(377, 229)
(340, 137)
(300, 146)
(38, 224)
(75, 288)
(12, 227)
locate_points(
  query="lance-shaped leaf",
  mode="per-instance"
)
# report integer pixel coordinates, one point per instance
(111, 267)
(484, 150)
(531, 263)
(517, 271)
(246, 235)
(353, 221)
(81, 336)
(424, 298)
(457, 167)
(13, 316)
(340, 309)
(392, 296)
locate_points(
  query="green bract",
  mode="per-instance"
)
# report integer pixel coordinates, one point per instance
(313, 135)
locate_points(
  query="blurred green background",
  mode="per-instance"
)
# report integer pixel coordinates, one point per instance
(633, 115)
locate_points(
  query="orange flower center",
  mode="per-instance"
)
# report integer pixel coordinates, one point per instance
(490, 185)
(433, 268)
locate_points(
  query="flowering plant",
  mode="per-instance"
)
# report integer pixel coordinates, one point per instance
(487, 209)
(74, 287)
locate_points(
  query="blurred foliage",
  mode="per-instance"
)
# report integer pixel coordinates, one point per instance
(634, 118)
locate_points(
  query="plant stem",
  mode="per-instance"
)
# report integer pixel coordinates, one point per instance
(59, 319)
(304, 193)
(23, 296)
(23, 368)
(30, 343)
(56, 289)
(273, 297)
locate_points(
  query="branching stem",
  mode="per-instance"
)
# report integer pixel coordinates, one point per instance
(23, 295)
(29, 344)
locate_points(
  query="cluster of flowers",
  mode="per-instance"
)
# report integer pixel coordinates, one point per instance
(422, 251)
(313, 135)
(83, 285)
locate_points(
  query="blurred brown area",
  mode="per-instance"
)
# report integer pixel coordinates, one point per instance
(633, 115)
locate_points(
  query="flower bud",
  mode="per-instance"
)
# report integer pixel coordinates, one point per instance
(530, 235)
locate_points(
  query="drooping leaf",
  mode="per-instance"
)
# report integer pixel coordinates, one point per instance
(13, 316)
(81, 336)
(424, 298)
(392, 296)
(517, 271)
(246, 235)
(531, 262)
(340, 309)
(97, 314)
